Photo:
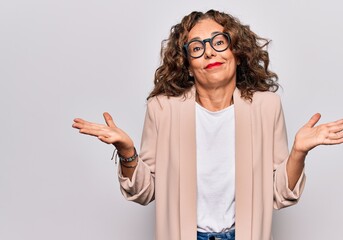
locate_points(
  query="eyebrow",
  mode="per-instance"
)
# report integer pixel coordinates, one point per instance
(198, 38)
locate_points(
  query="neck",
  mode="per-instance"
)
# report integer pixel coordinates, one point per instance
(215, 99)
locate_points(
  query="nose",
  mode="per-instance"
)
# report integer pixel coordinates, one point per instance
(209, 51)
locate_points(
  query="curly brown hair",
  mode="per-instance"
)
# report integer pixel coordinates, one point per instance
(172, 76)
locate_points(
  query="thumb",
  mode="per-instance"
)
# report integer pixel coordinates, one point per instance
(109, 120)
(314, 119)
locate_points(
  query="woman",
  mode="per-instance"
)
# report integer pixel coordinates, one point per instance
(214, 150)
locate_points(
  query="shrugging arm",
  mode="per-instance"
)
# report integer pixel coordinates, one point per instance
(283, 196)
(141, 188)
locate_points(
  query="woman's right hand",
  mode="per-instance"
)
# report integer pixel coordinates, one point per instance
(108, 133)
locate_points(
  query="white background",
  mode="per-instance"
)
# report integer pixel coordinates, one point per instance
(71, 58)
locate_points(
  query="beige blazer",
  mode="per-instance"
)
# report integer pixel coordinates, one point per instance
(166, 169)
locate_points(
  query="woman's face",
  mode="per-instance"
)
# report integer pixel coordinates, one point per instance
(213, 69)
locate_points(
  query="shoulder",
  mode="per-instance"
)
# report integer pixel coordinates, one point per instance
(265, 96)
(267, 105)
(268, 99)
(162, 102)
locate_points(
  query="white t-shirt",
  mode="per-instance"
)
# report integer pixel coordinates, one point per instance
(215, 143)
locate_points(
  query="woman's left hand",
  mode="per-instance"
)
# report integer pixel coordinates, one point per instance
(310, 136)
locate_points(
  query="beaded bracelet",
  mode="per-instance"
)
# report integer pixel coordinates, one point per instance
(123, 159)
(129, 159)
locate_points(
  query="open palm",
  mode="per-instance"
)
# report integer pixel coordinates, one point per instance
(108, 133)
(310, 136)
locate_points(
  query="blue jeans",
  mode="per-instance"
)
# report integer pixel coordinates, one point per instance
(230, 235)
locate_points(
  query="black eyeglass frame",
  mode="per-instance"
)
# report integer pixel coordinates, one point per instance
(209, 40)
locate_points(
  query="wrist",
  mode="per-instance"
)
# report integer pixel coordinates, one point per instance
(129, 156)
(132, 164)
(126, 152)
(299, 149)
(299, 152)
(297, 156)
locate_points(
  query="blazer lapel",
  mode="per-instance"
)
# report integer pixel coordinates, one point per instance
(188, 186)
(244, 170)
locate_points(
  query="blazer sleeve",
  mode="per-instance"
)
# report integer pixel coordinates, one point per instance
(141, 188)
(283, 196)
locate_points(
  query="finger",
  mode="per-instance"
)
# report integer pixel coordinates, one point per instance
(78, 120)
(332, 131)
(90, 125)
(336, 133)
(333, 141)
(336, 128)
(80, 125)
(335, 136)
(104, 139)
(92, 132)
(338, 122)
(84, 126)
(109, 119)
(83, 123)
(314, 119)
(76, 125)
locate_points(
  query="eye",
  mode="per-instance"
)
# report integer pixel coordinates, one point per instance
(219, 42)
(195, 46)
(195, 49)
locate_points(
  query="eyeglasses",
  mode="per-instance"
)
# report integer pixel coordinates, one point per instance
(219, 42)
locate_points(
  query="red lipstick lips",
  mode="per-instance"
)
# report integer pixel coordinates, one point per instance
(212, 65)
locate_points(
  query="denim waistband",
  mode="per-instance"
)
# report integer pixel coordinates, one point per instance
(230, 235)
